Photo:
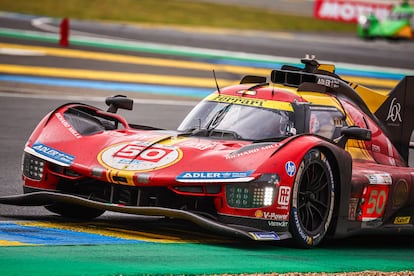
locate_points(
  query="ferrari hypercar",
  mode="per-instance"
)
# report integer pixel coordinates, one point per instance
(398, 25)
(300, 155)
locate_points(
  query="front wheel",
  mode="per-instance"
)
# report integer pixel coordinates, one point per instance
(313, 200)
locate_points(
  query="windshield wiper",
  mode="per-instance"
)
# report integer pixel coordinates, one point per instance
(212, 125)
(218, 117)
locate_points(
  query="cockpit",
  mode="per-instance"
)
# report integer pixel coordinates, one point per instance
(261, 121)
(238, 121)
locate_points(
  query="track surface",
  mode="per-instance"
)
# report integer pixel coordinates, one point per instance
(129, 245)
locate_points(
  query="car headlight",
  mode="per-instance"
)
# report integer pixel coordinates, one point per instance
(256, 194)
(33, 167)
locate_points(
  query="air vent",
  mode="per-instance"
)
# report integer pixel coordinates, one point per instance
(291, 78)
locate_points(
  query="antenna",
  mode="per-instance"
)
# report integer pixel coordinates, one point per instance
(215, 79)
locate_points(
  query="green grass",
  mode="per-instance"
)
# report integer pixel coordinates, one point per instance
(173, 12)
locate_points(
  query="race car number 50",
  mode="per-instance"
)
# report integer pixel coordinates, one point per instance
(375, 201)
(139, 157)
(137, 152)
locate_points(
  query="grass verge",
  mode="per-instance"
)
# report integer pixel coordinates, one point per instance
(175, 12)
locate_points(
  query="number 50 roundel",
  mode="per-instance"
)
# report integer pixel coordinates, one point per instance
(136, 156)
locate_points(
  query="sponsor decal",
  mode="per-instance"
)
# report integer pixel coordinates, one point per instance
(290, 168)
(283, 195)
(379, 178)
(376, 148)
(394, 112)
(402, 220)
(349, 11)
(65, 123)
(251, 102)
(371, 223)
(265, 236)
(278, 223)
(332, 83)
(302, 234)
(374, 203)
(270, 215)
(258, 214)
(53, 154)
(353, 205)
(212, 176)
(139, 156)
(274, 216)
(400, 194)
(239, 153)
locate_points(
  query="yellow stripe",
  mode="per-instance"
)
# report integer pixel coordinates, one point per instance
(111, 76)
(12, 243)
(204, 66)
(251, 102)
(69, 53)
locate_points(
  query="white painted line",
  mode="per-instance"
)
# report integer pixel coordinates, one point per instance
(20, 52)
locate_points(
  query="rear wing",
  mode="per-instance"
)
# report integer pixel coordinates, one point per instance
(397, 114)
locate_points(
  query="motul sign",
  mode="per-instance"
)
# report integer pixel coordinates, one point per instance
(349, 11)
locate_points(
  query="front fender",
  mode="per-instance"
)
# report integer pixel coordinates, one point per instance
(294, 150)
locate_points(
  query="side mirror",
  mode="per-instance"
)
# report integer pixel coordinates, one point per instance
(118, 101)
(357, 133)
(353, 132)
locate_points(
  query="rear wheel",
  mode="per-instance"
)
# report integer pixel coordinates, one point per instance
(312, 200)
(74, 211)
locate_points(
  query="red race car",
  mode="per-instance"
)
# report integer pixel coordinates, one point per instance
(302, 155)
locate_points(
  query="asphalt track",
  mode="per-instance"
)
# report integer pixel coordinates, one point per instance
(165, 71)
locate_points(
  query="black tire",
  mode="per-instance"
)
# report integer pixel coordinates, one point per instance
(313, 200)
(74, 211)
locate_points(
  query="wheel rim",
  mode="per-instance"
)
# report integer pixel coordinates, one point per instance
(314, 197)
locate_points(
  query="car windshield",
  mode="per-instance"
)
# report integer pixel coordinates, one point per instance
(400, 16)
(230, 120)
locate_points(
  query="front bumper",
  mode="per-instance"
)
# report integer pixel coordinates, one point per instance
(43, 198)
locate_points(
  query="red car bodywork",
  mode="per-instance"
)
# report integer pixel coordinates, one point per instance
(334, 170)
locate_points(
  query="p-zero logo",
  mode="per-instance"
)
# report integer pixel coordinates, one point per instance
(139, 157)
